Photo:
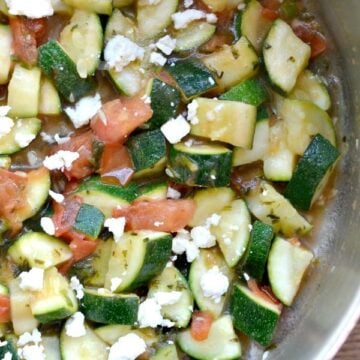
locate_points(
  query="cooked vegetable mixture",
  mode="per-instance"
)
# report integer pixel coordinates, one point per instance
(159, 159)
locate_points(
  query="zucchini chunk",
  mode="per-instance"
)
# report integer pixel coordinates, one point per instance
(202, 165)
(50, 103)
(285, 56)
(51, 345)
(5, 55)
(119, 24)
(286, 267)
(311, 173)
(221, 344)
(89, 221)
(137, 258)
(252, 315)
(109, 308)
(153, 191)
(97, 6)
(167, 352)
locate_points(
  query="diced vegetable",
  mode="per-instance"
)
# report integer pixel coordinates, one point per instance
(119, 24)
(49, 103)
(89, 221)
(98, 6)
(5, 55)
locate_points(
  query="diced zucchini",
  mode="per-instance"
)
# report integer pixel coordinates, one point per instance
(232, 122)
(222, 342)
(9, 347)
(207, 259)
(216, 5)
(233, 231)
(23, 128)
(82, 39)
(3, 8)
(286, 267)
(272, 208)
(97, 6)
(167, 352)
(5, 162)
(152, 19)
(210, 201)
(192, 76)
(285, 56)
(109, 308)
(50, 103)
(56, 300)
(86, 347)
(39, 250)
(260, 145)
(89, 221)
(153, 191)
(60, 7)
(5, 54)
(252, 315)
(119, 24)
(233, 64)
(311, 173)
(258, 250)
(170, 280)
(137, 258)
(51, 345)
(303, 120)
(57, 64)
(24, 92)
(202, 165)
(122, 3)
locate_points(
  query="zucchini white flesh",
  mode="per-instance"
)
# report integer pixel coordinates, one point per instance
(60, 7)
(260, 145)
(303, 120)
(86, 347)
(152, 19)
(51, 347)
(50, 103)
(285, 56)
(153, 191)
(167, 352)
(119, 24)
(269, 206)
(24, 91)
(286, 267)
(233, 64)
(221, 344)
(217, 5)
(232, 122)
(233, 231)
(97, 6)
(310, 87)
(82, 39)
(172, 280)
(206, 260)
(39, 250)
(5, 54)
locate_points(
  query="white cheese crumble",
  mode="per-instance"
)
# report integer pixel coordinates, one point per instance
(3, 343)
(127, 347)
(59, 198)
(115, 283)
(192, 112)
(76, 286)
(181, 244)
(149, 315)
(146, 99)
(120, 51)
(183, 19)
(4, 110)
(167, 297)
(173, 193)
(23, 140)
(48, 225)
(175, 129)
(34, 9)
(166, 44)
(61, 160)
(116, 226)
(6, 123)
(74, 326)
(61, 139)
(47, 138)
(157, 59)
(202, 237)
(188, 3)
(27, 338)
(30, 347)
(7, 356)
(32, 280)
(84, 110)
(213, 220)
(214, 284)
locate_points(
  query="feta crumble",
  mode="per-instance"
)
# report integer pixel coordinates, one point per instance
(48, 225)
(23, 140)
(27, 338)
(214, 284)
(120, 51)
(6, 123)
(116, 226)
(84, 110)
(76, 286)
(74, 326)
(7, 356)
(188, 3)
(115, 283)
(61, 139)
(183, 19)
(61, 160)
(4, 110)
(157, 59)
(30, 347)
(182, 244)
(149, 315)
(166, 44)
(202, 237)
(173, 193)
(59, 198)
(175, 129)
(32, 280)
(213, 220)
(146, 99)
(127, 347)
(32, 9)
(167, 297)
(192, 112)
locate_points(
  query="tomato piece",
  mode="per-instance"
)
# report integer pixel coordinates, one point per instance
(82, 248)
(216, 42)
(158, 215)
(264, 292)
(5, 315)
(38, 27)
(269, 14)
(200, 325)
(119, 118)
(271, 4)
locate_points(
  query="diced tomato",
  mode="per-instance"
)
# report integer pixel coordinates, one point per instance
(271, 4)
(5, 315)
(116, 164)
(216, 42)
(82, 248)
(158, 215)
(270, 9)
(165, 77)
(264, 292)
(119, 118)
(200, 325)
(269, 14)
(38, 27)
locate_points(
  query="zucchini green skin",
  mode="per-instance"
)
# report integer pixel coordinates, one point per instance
(252, 315)
(312, 168)
(10, 347)
(56, 63)
(109, 308)
(258, 250)
(192, 76)
(89, 221)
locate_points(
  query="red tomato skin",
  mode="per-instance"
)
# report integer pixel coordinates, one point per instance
(5, 314)
(201, 325)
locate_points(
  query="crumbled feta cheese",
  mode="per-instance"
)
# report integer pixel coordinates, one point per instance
(32, 352)
(213, 220)
(61, 139)
(250, 227)
(84, 110)
(27, 338)
(188, 3)
(59, 198)
(214, 284)
(175, 129)
(149, 315)
(146, 99)
(181, 243)
(183, 19)
(23, 140)
(32, 9)
(74, 326)
(61, 160)
(173, 193)
(127, 347)
(32, 280)
(202, 237)
(211, 18)
(157, 59)
(116, 226)
(115, 283)
(192, 112)
(246, 276)
(158, 223)
(7, 356)
(3, 343)
(47, 225)
(120, 51)
(6, 124)
(76, 286)
(211, 80)
(166, 44)
(167, 297)
(189, 143)
(47, 138)
(4, 110)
